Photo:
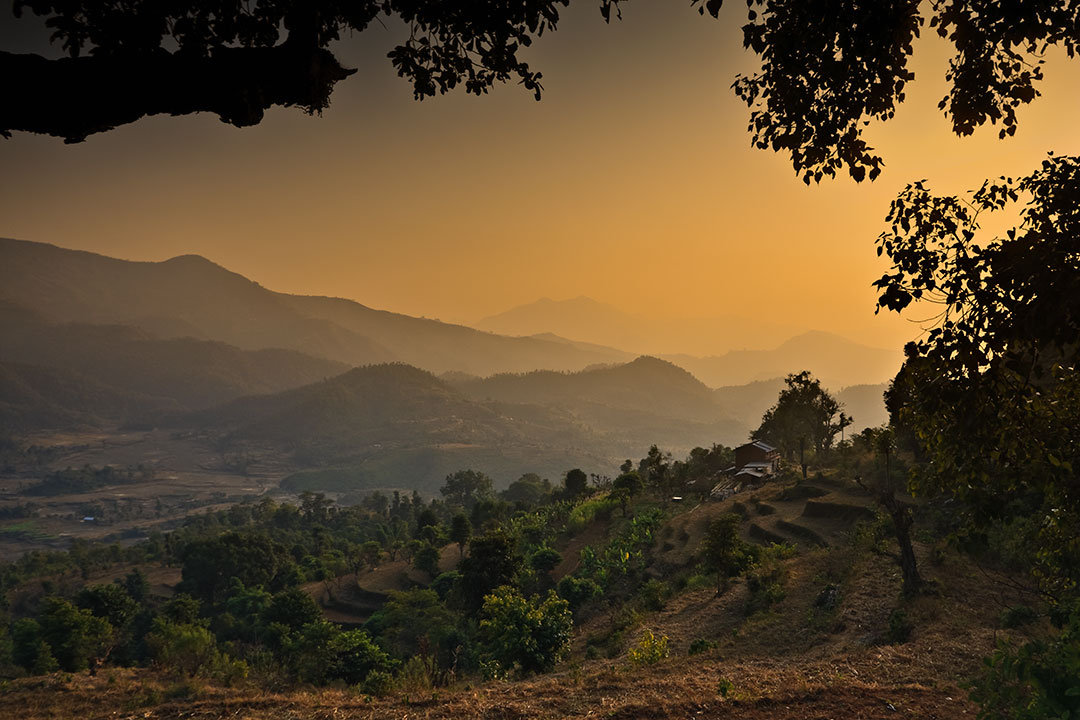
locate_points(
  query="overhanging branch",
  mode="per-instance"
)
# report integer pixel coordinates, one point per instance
(76, 97)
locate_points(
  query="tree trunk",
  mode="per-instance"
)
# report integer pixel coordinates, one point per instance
(902, 521)
(802, 456)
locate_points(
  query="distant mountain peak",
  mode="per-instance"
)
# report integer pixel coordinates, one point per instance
(821, 337)
(190, 259)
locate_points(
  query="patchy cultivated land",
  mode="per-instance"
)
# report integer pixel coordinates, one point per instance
(188, 475)
(795, 660)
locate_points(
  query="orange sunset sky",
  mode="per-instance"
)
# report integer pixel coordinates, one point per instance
(632, 182)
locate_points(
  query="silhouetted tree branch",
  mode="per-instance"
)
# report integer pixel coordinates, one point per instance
(133, 59)
(76, 97)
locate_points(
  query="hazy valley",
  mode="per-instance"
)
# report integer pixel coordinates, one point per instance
(338, 488)
(187, 348)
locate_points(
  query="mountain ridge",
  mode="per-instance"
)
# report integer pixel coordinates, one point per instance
(194, 295)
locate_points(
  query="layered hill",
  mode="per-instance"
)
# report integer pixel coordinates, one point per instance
(584, 319)
(120, 361)
(836, 361)
(635, 404)
(385, 424)
(189, 296)
(33, 397)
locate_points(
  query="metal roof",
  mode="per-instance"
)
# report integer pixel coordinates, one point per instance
(759, 445)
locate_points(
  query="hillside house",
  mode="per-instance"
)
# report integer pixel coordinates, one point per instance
(756, 461)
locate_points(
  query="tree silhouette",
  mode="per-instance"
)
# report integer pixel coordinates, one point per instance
(991, 394)
(133, 59)
(827, 67)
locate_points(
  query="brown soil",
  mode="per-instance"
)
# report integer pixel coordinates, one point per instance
(683, 688)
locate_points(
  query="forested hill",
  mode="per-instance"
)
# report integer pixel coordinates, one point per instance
(387, 404)
(189, 296)
(33, 397)
(115, 361)
(641, 402)
(394, 425)
(645, 384)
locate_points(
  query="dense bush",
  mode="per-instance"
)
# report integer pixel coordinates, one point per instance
(524, 635)
(1038, 680)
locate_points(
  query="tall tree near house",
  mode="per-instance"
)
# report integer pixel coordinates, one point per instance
(626, 487)
(805, 417)
(654, 468)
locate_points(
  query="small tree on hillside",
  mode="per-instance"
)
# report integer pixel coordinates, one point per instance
(529, 490)
(465, 487)
(426, 559)
(723, 551)
(884, 444)
(460, 532)
(626, 487)
(529, 635)
(575, 483)
(492, 561)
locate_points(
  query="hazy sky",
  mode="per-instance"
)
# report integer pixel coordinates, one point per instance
(632, 182)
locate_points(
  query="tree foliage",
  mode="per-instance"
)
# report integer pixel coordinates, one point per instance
(238, 59)
(75, 636)
(465, 488)
(829, 68)
(992, 392)
(526, 635)
(805, 417)
(576, 483)
(493, 561)
(722, 550)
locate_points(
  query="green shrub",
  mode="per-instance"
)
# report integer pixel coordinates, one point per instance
(699, 580)
(654, 595)
(577, 591)
(75, 636)
(356, 658)
(1018, 616)
(1037, 680)
(378, 683)
(765, 578)
(650, 649)
(899, 628)
(29, 650)
(181, 647)
(584, 513)
(700, 645)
